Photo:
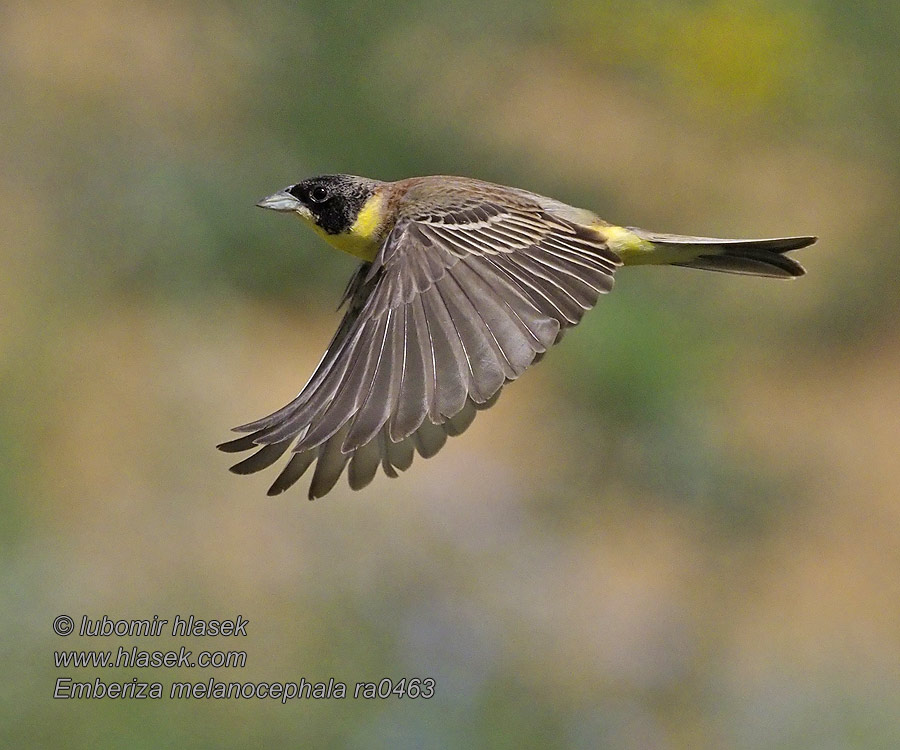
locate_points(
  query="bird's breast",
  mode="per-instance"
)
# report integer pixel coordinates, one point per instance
(364, 237)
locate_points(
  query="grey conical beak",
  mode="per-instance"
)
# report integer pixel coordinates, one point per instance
(280, 201)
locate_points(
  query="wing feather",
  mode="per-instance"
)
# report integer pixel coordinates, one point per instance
(486, 372)
(399, 454)
(379, 403)
(352, 390)
(559, 304)
(539, 327)
(293, 470)
(417, 390)
(364, 465)
(330, 462)
(263, 458)
(451, 368)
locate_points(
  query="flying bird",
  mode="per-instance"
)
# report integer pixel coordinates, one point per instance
(462, 285)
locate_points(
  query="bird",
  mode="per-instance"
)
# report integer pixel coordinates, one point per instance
(462, 285)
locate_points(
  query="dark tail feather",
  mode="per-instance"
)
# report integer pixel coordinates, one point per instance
(750, 257)
(748, 262)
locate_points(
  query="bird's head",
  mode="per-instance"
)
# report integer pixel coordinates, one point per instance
(348, 211)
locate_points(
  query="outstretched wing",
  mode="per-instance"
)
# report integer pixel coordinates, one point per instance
(454, 305)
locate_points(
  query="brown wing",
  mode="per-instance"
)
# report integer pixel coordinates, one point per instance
(455, 305)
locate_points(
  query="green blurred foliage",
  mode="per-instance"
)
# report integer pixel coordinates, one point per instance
(680, 533)
(728, 58)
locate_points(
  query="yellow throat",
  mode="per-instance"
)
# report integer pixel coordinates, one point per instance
(364, 236)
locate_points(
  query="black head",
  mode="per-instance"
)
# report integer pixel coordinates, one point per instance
(333, 201)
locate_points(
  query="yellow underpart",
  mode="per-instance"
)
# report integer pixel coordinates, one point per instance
(627, 245)
(635, 251)
(363, 238)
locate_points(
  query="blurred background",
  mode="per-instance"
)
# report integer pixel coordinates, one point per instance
(681, 530)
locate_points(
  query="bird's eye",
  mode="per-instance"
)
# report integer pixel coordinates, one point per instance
(318, 194)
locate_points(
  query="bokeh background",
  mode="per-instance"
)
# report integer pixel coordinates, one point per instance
(681, 530)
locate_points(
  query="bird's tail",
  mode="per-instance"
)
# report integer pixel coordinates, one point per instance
(750, 257)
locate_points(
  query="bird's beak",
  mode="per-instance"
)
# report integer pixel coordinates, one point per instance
(280, 201)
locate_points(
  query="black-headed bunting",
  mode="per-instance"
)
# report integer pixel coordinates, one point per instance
(463, 284)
